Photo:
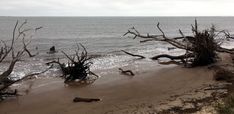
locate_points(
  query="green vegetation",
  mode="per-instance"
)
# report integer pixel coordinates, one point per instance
(227, 107)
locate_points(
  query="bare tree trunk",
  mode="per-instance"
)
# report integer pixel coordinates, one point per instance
(19, 36)
(6, 73)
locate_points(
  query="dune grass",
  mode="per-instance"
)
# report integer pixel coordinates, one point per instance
(227, 106)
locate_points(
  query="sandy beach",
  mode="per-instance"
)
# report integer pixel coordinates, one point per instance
(139, 94)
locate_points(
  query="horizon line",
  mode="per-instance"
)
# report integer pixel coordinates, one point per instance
(109, 16)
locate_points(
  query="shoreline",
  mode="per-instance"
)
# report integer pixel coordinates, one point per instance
(51, 96)
(153, 88)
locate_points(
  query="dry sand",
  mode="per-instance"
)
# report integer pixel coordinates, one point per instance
(125, 95)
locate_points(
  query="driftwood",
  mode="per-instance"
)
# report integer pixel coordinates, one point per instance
(10, 82)
(170, 48)
(126, 72)
(134, 55)
(52, 50)
(180, 57)
(216, 88)
(170, 62)
(77, 67)
(228, 35)
(201, 48)
(79, 99)
(15, 50)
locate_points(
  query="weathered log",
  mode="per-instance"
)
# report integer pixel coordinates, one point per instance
(126, 72)
(79, 99)
(171, 48)
(216, 88)
(170, 62)
(180, 57)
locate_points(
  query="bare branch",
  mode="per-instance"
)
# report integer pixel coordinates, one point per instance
(158, 26)
(142, 57)
(24, 77)
(25, 48)
(180, 57)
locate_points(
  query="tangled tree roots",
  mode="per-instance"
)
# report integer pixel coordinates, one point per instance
(200, 48)
(78, 66)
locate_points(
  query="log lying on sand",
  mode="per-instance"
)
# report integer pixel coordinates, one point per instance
(126, 72)
(79, 99)
(180, 57)
(171, 62)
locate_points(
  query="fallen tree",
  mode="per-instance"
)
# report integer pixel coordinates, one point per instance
(14, 51)
(77, 67)
(200, 48)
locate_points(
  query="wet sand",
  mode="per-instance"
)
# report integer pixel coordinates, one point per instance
(125, 95)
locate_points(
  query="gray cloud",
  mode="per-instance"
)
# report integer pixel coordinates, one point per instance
(115, 7)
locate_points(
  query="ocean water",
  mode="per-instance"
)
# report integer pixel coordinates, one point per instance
(103, 38)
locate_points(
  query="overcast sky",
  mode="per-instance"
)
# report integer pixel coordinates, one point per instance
(116, 7)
